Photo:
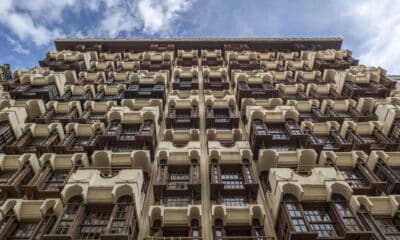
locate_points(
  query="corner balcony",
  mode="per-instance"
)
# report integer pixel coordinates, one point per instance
(185, 78)
(343, 110)
(334, 59)
(215, 78)
(181, 138)
(212, 58)
(386, 167)
(16, 172)
(55, 169)
(325, 136)
(40, 86)
(284, 77)
(270, 103)
(354, 167)
(308, 110)
(66, 60)
(25, 110)
(367, 136)
(117, 78)
(110, 56)
(62, 112)
(37, 138)
(127, 65)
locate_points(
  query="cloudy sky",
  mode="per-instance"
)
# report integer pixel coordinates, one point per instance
(370, 28)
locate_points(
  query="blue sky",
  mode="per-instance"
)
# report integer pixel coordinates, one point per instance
(371, 29)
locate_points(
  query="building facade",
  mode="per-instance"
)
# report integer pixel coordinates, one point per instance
(199, 139)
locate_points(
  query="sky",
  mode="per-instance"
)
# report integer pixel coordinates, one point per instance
(369, 28)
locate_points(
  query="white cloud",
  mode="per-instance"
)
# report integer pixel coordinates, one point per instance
(378, 23)
(17, 47)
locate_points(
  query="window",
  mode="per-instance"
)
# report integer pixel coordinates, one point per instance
(5, 177)
(177, 201)
(348, 218)
(353, 178)
(320, 221)
(388, 228)
(296, 217)
(235, 201)
(54, 181)
(23, 231)
(67, 218)
(94, 224)
(232, 179)
(178, 179)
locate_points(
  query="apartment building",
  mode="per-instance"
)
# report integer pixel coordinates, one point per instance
(199, 139)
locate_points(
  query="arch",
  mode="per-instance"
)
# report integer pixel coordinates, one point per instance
(101, 159)
(120, 191)
(292, 115)
(257, 115)
(340, 188)
(141, 160)
(268, 160)
(292, 189)
(72, 191)
(114, 115)
(149, 116)
(257, 213)
(156, 214)
(194, 214)
(219, 212)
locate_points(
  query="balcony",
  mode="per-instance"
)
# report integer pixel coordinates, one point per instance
(291, 92)
(110, 56)
(277, 129)
(309, 77)
(110, 93)
(92, 78)
(325, 136)
(10, 129)
(343, 110)
(179, 222)
(354, 167)
(37, 138)
(187, 58)
(185, 78)
(78, 93)
(21, 216)
(183, 112)
(147, 85)
(385, 166)
(308, 110)
(95, 112)
(212, 58)
(60, 112)
(334, 59)
(221, 112)
(284, 77)
(323, 91)
(131, 130)
(244, 60)
(118, 78)
(16, 172)
(270, 103)
(367, 136)
(40, 86)
(97, 66)
(178, 173)
(215, 78)
(55, 169)
(66, 60)
(155, 61)
(253, 85)
(80, 138)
